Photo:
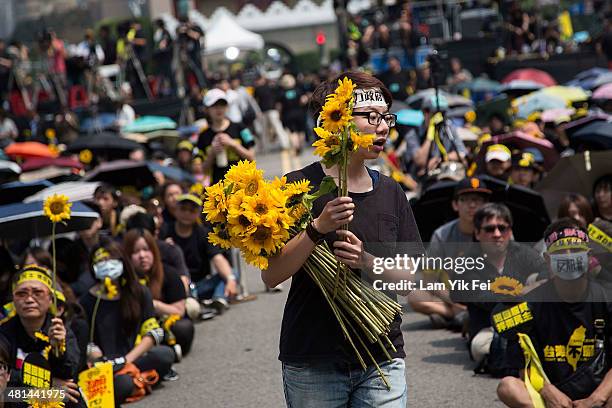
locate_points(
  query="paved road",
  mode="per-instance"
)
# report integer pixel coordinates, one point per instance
(234, 359)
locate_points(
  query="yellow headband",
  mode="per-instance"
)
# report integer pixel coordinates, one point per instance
(100, 255)
(568, 243)
(34, 275)
(600, 237)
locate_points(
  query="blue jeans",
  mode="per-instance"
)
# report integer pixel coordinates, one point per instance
(336, 386)
(213, 287)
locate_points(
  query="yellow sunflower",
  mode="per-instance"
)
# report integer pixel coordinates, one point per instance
(257, 261)
(297, 212)
(240, 223)
(267, 238)
(361, 140)
(345, 89)
(245, 175)
(57, 208)
(41, 403)
(504, 285)
(279, 183)
(111, 289)
(297, 187)
(220, 237)
(215, 205)
(335, 115)
(85, 156)
(328, 142)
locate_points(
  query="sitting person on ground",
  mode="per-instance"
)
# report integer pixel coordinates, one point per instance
(122, 320)
(470, 195)
(502, 258)
(37, 340)
(192, 238)
(166, 288)
(567, 320)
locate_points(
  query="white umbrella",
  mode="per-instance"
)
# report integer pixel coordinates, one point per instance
(74, 190)
(7, 166)
(225, 32)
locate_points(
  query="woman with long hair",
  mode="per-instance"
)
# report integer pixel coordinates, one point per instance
(123, 327)
(576, 206)
(165, 285)
(319, 366)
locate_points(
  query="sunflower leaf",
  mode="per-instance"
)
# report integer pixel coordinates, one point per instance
(328, 185)
(228, 190)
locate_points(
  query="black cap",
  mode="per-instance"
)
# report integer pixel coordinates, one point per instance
(471, 185)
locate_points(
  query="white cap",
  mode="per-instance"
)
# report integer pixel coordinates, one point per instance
(213, 96)
(498, 152)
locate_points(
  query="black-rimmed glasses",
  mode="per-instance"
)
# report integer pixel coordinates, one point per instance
(374, 118)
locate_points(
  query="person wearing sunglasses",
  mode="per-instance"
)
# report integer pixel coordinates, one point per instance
(36, 339)
(570, 328)
(502, 257)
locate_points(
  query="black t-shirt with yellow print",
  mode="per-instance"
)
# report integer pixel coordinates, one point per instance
(563, 334)
(236, 131)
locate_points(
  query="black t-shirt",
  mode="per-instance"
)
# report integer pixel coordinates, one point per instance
(172, 257)
(521, 262)
(553, 324)
(172, 287)
(266, 97)
(236, 131)
(310, 332)
(108, 332)
(197, 250)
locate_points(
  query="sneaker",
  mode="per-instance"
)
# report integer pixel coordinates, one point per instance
(207, 313)
(171, 375)
(277, 288)
(220, 305)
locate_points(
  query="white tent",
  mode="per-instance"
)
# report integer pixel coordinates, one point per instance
(224, 32)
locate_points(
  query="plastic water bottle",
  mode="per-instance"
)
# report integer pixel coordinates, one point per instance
(221, 159)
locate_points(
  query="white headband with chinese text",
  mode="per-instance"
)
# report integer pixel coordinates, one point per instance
(368, 97)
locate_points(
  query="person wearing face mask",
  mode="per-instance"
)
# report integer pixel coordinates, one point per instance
(123, 327)
(319, 367)
(36, 339)
(570, 329)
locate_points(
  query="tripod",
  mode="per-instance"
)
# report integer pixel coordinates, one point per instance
(133, 59)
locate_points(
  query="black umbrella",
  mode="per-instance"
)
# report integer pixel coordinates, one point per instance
(526, 205)
(574, 174)
(106, 142)
(26, 221)
(123, 173)
(434, 208)
(596, 135)
(18, 190)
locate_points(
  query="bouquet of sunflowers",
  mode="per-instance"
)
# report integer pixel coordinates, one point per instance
(258, 217)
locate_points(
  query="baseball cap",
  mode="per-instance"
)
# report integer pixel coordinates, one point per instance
(498, 152)
(184, 145)
(213, 96)
(189, 197)
(471, 185)
(524, 159)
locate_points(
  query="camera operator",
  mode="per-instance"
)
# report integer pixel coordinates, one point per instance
(190, 39)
